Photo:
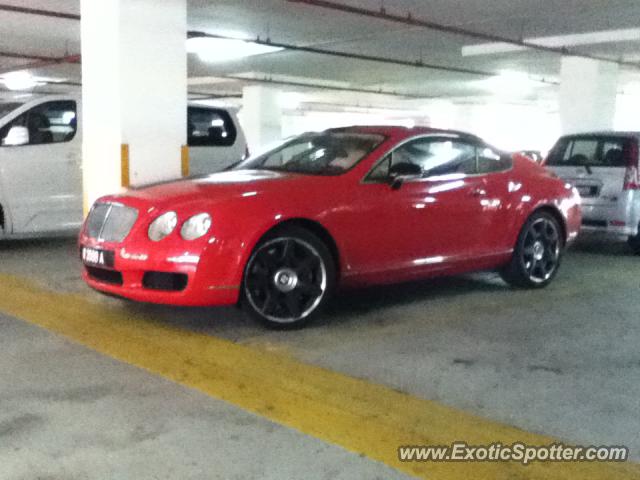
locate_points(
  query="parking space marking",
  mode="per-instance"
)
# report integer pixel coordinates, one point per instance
(362, 417)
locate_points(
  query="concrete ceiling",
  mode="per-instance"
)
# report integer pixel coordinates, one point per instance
(297, 24)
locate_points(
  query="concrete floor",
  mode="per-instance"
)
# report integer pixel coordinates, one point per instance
(563, 361)
(67, 412)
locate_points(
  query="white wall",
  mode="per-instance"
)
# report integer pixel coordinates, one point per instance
(628, 112)
(510, 127)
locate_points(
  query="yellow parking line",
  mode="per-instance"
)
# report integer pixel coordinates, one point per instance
(362, 417)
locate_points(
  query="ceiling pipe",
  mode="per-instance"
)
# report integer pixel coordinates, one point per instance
(39, 61)
(410, 20)
(382, 15)
(214, 96)
(39, 12)
(41, 58)
(354, 56)
(315, 86)
(25, 56)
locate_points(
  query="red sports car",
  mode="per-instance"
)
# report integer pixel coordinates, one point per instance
(279, 233)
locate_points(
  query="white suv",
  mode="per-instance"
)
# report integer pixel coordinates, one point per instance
(40, 160)
(603, 166)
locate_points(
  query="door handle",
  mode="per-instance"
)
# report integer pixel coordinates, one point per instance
(477, 192)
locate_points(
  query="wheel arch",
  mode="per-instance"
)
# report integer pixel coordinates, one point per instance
(314, 227)
(557, 214)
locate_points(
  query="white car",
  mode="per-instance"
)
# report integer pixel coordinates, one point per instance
(603, 166)
(40, 160)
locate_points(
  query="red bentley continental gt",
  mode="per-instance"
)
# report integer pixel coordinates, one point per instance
(355, 206)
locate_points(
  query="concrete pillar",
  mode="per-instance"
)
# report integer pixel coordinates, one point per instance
(261, 116)
(588, 91)
(134, 92)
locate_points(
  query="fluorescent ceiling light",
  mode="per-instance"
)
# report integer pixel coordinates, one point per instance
(19, 80)
(23, 80)
(508, 83)
(211, 49)
(571, 40)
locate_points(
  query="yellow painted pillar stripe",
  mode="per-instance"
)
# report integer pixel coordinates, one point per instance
(184, 160)
(362, 417)
(125, 166)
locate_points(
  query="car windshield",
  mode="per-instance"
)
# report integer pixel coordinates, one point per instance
(6, 108)
(326, 153)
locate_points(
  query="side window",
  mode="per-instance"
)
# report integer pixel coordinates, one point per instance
(438, 156)
(210, 127)
(380, 172)
(51, 122)
(491, 161)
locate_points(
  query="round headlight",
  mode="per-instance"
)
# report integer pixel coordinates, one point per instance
(163, 226)
(196, 227)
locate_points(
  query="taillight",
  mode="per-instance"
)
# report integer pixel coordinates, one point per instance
(631, 177)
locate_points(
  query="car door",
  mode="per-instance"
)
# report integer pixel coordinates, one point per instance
(495, 169)
(430, 222)
(40, 175)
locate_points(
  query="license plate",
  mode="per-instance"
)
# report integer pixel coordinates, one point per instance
(96, 257)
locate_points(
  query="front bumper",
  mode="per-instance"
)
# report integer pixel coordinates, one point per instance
(169, 276)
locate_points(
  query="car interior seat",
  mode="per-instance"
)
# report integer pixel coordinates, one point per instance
(613, 158)
(39, 129)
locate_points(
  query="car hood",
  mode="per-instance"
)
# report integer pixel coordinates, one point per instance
(212, 188)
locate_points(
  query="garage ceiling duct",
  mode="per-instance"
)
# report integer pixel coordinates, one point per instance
(410, 20)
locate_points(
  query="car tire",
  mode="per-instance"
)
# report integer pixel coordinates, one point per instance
(634, 243)
(537, 255)
(288, 279)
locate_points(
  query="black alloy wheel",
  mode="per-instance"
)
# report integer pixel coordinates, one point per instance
(288, 278)
(634, 243)
(538, 253)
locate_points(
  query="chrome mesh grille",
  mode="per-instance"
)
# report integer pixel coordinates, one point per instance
(111, 222)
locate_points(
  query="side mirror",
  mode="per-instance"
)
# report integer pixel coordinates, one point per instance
(399, 172)
(16, 136)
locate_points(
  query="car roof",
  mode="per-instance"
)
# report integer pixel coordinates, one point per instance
(604, 133)
(395, 130)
